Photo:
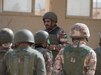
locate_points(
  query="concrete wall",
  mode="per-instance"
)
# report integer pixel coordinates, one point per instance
(34, 23)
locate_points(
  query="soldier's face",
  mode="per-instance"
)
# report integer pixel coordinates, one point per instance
(48, 24)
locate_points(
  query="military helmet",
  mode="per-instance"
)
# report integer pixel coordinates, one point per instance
(79, 30)
(6, 35)
(41, 37)
(23, 35)
(50, 15)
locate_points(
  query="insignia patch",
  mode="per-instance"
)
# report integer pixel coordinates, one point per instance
(73, 60)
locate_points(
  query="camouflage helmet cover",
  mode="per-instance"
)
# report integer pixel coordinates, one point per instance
(23, 35)
(6, 35)
(80, 30)
(50, 15)
(41, 37)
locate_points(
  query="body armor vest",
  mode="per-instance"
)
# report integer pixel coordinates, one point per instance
(74, 60)
(22, 62)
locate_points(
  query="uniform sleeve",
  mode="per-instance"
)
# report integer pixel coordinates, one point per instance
(57, 69)
(41, 68)
(3, 67)
(90, 63)
(63, 37)
(48, 61)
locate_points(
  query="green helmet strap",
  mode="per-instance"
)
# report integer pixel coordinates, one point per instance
(48, 41)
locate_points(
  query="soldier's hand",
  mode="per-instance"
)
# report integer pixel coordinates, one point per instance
(55, 47)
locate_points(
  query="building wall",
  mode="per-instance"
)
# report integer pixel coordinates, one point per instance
(34, 23)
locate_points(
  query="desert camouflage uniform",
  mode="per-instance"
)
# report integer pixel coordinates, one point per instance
(41, 43)
(47, 57)
(89, 63)
(76, 58)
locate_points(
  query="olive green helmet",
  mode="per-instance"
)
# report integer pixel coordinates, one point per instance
(50, 15)
(79, 30)
(23, 35)
(6, 35)
(41, 37)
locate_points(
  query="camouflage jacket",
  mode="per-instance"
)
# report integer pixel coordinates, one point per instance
(58, 39)
(89, 63)
(48, 58)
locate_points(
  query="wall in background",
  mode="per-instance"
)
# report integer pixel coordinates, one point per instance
(35, 23)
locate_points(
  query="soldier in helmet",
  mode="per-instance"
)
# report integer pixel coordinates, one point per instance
(6, 38)
(76, 58)
(24, 60)
(58, 38)
(98, 52)
(41, 43)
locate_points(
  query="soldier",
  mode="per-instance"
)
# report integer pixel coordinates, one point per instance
(6, 38)
(76, 58)
(24, 60)
(58, 38)
(41, 44)
(98, 52)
